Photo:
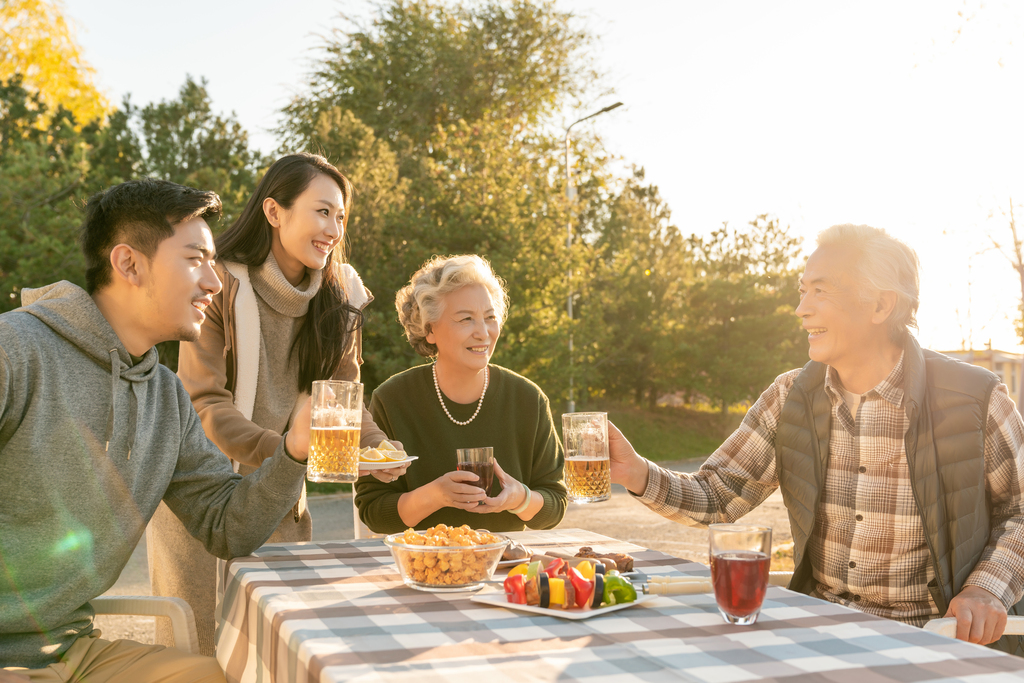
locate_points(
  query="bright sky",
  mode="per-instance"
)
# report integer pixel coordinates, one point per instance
(905, 116)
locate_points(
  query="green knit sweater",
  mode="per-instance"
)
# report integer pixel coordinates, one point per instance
(515, 420)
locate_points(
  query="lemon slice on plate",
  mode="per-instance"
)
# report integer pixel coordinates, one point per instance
(390, 453)
(372, 455)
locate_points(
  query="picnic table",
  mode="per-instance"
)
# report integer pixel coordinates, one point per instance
(338, 611)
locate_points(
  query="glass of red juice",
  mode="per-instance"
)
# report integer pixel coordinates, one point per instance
(740, 558)
(479, 461)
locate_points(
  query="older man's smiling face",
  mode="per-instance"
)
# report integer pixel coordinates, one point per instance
(837, 318)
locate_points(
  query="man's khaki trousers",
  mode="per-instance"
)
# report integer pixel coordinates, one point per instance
(94, 660)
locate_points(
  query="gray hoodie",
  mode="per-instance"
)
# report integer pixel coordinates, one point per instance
(89, 445)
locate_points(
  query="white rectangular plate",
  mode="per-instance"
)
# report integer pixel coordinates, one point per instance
(499, 600)
(385, 465)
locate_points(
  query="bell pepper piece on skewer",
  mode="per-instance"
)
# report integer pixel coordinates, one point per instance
(555, 567)
(584, 588)
(515, 589)
(557, 592)
(618, 590)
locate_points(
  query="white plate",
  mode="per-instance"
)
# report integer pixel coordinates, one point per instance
(385, 465)
(499, 600)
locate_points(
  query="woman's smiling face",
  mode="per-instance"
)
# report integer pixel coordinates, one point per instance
(306, 234)
(468, 329)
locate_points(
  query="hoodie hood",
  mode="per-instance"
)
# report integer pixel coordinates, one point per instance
(70, 312)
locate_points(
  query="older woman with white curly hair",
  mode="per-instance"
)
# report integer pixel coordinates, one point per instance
(452, 311)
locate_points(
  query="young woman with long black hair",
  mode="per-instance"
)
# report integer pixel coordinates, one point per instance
(289, 313)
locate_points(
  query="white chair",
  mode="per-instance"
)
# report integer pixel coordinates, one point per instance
(947, 626)
(780, 578)
(360, 530)
(183, 621)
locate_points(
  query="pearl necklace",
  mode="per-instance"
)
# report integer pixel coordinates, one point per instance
(437, 388)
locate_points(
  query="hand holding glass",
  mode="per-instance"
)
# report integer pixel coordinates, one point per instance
(588, 473)
(740, 559)
(337, 414)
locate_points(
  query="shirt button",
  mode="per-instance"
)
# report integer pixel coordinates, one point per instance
(852, 565)
(862, 469)
(856, 598)
(859, 518)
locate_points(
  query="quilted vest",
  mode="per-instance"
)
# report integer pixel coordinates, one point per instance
(947, 405)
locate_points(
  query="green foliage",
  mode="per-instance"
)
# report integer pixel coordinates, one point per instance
(631, 305)
(441, 115)
(425, 65)
(666, 433)
(187, 143)
(44, 169)
(741, 330)
(49, 166)
(435, 111)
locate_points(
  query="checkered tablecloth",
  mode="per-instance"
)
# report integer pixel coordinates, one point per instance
(337, 611)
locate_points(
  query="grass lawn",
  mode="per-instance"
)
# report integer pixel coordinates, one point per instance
(317, 489)
(660, 434)
(668, 433)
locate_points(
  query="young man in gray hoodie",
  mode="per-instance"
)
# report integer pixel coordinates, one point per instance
(94, 433)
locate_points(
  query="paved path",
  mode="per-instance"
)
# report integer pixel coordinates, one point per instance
(621, 517)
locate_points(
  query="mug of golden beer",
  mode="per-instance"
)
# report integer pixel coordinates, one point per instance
(588, 474)
(337, 413)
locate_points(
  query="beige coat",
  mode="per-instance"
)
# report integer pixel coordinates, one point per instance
(219, 372)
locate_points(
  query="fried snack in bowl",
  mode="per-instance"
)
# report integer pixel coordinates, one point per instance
(446, 559)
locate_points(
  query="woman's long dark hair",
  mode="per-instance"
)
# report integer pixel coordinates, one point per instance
(330, 320)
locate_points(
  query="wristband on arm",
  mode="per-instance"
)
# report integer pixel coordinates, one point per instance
(526, 503)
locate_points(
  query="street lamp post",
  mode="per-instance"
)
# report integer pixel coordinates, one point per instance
(570, 192)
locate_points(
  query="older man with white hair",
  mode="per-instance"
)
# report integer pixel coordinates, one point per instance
(901, 468)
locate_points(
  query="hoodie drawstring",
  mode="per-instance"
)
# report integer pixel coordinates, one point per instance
(115, 367)
(115, 374)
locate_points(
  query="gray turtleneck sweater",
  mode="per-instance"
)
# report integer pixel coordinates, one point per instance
(73, 504)
(282, 308)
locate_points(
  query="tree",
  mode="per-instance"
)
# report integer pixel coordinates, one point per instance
(49, 166)
(45, 172)
(425, 65)
(450, 104)
(37, 43)
(631, 308)
(185, 142)
(741, 331)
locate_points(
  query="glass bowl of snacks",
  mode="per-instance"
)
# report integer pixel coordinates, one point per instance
(446, 559)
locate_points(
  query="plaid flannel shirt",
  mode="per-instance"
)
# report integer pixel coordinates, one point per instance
(868, 549)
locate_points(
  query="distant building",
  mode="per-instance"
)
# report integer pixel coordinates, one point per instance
(1005, 364)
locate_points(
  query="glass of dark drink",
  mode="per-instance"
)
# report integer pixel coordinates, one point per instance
(479, 461)
(740, 558)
